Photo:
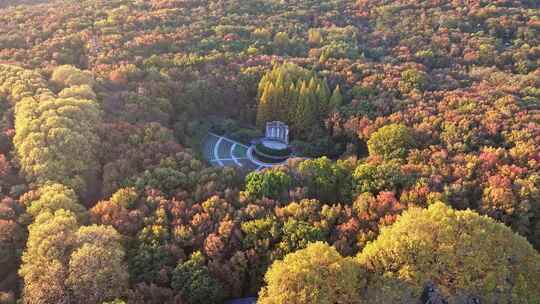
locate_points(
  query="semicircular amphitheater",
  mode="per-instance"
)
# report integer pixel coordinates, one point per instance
(266, 152)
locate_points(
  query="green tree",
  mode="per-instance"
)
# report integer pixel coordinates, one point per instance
(194, 282)
(147, 261)
(379, 176)
(317, 274)
(465, 254)
(391, 141)
(306, 110)
(151, 255)
(292, 94)
(297, 235)
(260, 234)
(324, 100)
(412, 79)
(336, 100)
(271, 183)
(326, 180)
(264, 108)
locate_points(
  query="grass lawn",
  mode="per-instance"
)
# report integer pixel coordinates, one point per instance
(240, 151)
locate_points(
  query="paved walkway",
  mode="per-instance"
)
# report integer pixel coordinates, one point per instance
(223, 151)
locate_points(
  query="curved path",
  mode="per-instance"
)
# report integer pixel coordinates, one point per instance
(235, 159)
(258, 162)
(216, 153)
(222, 151)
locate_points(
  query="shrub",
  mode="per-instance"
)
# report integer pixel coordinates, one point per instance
(269, 152)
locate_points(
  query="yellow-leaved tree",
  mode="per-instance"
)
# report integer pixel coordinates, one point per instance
(56, 140)
(465, 255)
(53, 197)
(317, 274)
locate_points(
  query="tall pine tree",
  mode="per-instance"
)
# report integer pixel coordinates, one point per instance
(263, 110)
(336, 100)
(306, 111)
(294, 95)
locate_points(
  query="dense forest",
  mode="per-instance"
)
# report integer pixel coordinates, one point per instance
(416, 126)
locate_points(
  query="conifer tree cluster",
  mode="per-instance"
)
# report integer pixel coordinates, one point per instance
(296, 96)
